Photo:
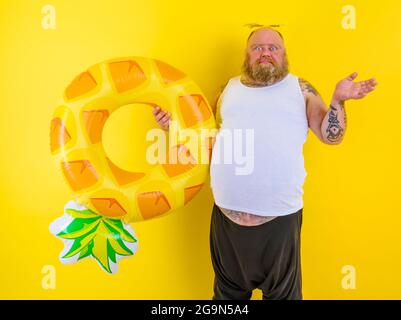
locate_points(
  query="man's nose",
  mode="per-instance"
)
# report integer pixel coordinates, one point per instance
(265, 53)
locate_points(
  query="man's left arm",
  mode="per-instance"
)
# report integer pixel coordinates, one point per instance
(329, 125)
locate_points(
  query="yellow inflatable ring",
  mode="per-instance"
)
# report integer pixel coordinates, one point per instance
(76, 138)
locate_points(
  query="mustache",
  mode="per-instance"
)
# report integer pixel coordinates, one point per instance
(265, 59)
(259, 63)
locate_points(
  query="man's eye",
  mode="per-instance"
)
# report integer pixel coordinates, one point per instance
(273, 49)
(258, 48)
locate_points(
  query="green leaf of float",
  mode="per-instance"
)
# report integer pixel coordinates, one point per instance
(119, 247)
(99, 250)
(79, 244)
(111, 253)
(77, 225)
(117, 244)
(82, 213)
(118, 226)
(87, 251)
(86, 229)
(97, 236)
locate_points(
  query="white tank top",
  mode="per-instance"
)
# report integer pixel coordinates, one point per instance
(269, 182)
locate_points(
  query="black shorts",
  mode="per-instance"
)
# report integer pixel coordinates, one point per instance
(266, 257)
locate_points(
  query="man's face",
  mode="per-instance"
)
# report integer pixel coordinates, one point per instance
(266, 60)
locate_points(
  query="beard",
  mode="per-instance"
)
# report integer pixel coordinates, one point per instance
(264, 74)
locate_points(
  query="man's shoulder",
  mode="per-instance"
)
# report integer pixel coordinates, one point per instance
(295, 76)
(226, 83)
(235, 78)
(231, 80)
(306, 87)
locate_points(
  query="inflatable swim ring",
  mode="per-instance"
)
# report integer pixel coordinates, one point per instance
(76, 138)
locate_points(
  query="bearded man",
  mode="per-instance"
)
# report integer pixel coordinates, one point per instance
(256, 219)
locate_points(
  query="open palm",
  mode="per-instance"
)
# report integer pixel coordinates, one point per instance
(348, 89)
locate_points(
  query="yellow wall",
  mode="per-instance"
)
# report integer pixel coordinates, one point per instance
(352, 213)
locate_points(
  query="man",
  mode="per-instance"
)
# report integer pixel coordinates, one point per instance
(257, 217)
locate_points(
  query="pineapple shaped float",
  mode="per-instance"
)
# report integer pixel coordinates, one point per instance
(107, 196)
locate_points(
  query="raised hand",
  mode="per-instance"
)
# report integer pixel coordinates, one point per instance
(348, 89)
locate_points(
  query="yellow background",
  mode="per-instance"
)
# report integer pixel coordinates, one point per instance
(352, 192)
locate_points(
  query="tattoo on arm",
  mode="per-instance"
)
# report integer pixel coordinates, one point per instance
(334, 130)
(345, 114)
(307, 87)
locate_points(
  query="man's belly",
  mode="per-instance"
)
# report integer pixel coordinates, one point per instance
(245, 219)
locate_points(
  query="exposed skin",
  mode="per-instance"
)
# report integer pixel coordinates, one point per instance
(265, 59)
(266, 50)
(162, 117)
(265, 64)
